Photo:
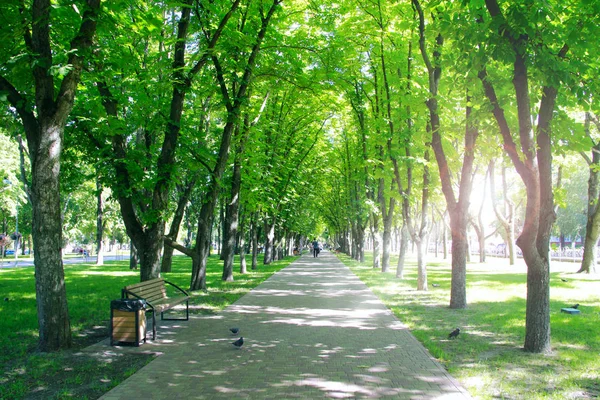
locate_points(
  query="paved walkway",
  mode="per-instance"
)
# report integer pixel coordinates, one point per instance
(311, 331)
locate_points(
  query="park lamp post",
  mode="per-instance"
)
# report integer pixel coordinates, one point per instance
(8, 182)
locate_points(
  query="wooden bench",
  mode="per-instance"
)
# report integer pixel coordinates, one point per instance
(154, 292)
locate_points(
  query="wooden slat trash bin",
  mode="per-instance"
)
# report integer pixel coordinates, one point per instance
(127, 322)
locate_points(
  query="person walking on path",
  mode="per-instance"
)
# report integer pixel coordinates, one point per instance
(315, 244)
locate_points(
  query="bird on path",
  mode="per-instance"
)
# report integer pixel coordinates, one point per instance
(454, 333)
(234, 330)
(564, 280)
(435, 284)
(238, 343)
(576, 306)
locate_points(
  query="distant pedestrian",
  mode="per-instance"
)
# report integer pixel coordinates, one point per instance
(316, 249)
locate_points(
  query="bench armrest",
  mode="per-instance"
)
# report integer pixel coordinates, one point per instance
(177, 287)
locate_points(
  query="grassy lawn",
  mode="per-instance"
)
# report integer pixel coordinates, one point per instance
(487, 357)
(78, 375)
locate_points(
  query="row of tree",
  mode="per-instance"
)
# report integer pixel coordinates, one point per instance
(283, 112)
(147, 100)
(442, 92)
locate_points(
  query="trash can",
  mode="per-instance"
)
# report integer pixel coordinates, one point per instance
(127, 322)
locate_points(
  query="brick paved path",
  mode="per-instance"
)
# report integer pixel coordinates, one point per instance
(311, 331)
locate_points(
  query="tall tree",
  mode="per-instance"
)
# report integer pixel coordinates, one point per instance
(143, 205)
(534, 160)
(44, 110)
(234, 97)
(458, 209)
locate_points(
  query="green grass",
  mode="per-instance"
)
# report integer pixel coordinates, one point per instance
(90, 288)
(488, 357)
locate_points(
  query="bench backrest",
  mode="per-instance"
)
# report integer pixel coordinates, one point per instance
(151, 290)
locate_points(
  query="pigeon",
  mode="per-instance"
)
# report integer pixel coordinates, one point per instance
(238, 343)
(234, 330)
(564, 280)
(576, 306)
(435, 284)
(454, 333)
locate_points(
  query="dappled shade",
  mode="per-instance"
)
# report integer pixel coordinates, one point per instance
(311, 331)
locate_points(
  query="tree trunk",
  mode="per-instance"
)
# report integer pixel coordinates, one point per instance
(537, 330)
(458, 291)
(184, 197)
(133, 256)
(53, 314)
(269, 239)
(592, 231)
(203, 236)
(376, 241)
(421, 264)
(403, 248)
(243, 266)
(254, 235)
(387, 236)
(99, 224)
(589, 262)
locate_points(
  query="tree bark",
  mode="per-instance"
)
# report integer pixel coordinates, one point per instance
(269, 242)
(99, 224)
(133, 257)
(254, 238)
(387, 235)
(242, 243)
(403, 248)
(232, 214)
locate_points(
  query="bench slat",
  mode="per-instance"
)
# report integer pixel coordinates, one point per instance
(153, 293)
(152, 282)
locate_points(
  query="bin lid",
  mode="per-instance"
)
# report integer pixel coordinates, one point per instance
(128, 304)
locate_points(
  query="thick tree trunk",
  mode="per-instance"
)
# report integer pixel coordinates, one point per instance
(99, 224)
(52, 311)
(149, 248)
(537, 332)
